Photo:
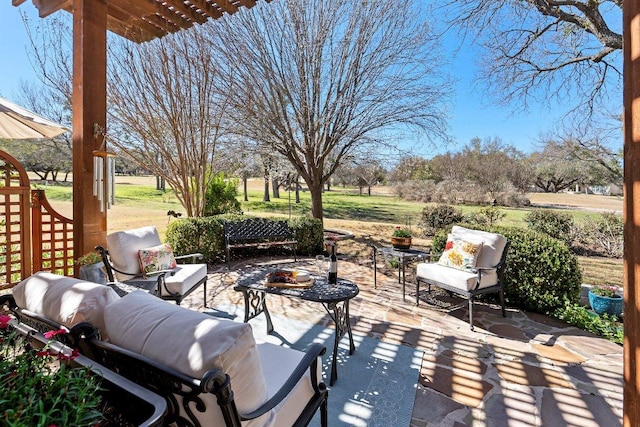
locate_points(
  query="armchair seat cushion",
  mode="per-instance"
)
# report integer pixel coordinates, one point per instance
(455, 278)
(183, 278)
(277, 363)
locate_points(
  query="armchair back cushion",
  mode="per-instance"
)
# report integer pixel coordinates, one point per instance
(492, 245)
(65, 300)
(123, 249)
(192, 343)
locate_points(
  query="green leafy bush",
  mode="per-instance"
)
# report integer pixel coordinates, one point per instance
(541, 273)
(433, 218)
(206, 236)
(488, 215)
(221, 196)
(605, 326)
(555, 224)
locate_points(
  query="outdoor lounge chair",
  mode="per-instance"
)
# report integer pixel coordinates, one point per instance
(137, 258)
(473, 264)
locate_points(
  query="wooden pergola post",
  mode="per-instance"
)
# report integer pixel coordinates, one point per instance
(631, 19)
(89, 110)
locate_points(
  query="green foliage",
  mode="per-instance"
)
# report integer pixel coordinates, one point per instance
(309, 234)
(488, 215)
(206, 235)
(605, 326)
(605, 291)
(38, 388)
(401, 232)
(541, 273)
(555, 224)
(433, 218)
(88, 259)
(221, 196)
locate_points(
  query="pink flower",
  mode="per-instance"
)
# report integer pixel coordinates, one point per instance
(4, 321)
(51, 334)
(75, 353)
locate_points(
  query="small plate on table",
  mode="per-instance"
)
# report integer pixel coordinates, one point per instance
(289, 278)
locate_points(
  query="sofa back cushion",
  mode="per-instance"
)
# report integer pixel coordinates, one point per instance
(192, 343)
(492, 245)
(65, 300)
(123, 249)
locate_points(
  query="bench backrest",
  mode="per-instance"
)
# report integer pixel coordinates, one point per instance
(256, 229)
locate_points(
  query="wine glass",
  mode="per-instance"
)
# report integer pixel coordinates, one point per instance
(320, 264)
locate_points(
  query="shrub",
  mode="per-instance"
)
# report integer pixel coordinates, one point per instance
(555, 224)
(605, 326)
(488, 215)
(433, 218)
(309, 234)
(606, 233)
(541, 273)
(221, 196)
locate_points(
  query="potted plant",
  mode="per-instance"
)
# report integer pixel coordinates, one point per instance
(606, 299)
(92, 268)
(401, 238)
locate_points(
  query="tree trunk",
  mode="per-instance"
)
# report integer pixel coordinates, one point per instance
(275, 185)
(266, 197)
(245, 188)
(316, 200)
(297, 188)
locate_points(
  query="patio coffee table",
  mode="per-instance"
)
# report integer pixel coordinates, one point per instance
(334, 299)
(404, 257)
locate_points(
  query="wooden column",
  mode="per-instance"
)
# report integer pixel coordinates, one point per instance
(89, 108)
(631, 20)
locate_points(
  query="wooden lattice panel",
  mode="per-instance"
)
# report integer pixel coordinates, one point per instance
(15, 230)
(52, 239)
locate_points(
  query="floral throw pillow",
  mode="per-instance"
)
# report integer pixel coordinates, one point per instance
(156, 258)
(459, 253)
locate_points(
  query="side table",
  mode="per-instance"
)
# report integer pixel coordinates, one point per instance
(404, 257)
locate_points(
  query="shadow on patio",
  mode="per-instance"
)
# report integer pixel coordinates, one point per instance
(526, 369)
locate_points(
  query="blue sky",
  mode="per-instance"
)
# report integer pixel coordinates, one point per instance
(472, 115)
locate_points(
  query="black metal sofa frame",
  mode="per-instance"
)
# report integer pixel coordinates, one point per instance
(169, 383)
(257, 233)
(160, 284)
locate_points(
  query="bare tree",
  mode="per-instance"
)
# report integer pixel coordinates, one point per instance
(313, 81)
(369, 173)
(562, 49)
(167, 111)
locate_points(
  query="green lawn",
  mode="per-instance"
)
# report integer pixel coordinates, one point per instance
(341, 204)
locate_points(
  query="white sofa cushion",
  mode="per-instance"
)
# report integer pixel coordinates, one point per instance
(123, 249)
(65, 300)
(277, 364)
(492, 245)
(192, 343)
(459, 279)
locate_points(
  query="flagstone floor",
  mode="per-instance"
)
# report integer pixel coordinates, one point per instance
(523, 370)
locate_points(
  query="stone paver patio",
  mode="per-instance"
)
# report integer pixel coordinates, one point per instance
(523, 370)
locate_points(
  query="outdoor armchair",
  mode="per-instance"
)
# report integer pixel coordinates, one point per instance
(137, 258)
(472, 264)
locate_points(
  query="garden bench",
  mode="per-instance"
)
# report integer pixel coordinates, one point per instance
(210, 371)
(257, 233)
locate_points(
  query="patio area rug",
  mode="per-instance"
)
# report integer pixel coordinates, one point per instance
(376, 385)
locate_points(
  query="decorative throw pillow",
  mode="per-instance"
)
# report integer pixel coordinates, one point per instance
(459, 253)
(156, 258)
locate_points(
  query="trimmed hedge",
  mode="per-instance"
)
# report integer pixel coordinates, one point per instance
(541, 274)
(205, 235)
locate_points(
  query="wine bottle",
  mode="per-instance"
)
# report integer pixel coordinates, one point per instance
(333, 267)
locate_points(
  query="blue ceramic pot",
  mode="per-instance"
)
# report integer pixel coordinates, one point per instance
(600, 304)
